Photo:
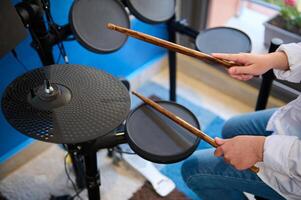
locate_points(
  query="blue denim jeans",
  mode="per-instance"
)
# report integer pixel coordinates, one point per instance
(213, 179)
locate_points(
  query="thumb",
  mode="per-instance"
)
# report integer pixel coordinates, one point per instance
(219, 141)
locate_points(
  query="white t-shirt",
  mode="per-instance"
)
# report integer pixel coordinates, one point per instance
(281, 166)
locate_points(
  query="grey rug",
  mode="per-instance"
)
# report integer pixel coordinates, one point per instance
(45, 176)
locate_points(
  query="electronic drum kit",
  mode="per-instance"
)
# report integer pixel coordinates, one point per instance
(83, 107)
(88, 109)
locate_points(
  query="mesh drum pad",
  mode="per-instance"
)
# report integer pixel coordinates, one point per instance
(159, 139)
(89, 19)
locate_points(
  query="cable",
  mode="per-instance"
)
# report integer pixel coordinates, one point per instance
(77, 192)
(58, 58)
(54, 27)
(118, 150)
(18, 60)
(70, 38)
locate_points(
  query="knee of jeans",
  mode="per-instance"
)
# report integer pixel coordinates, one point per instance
(229, 127)
(198, 163)
(187, 168)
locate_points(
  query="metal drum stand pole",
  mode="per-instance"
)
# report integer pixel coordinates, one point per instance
(172, 62)
(173, 27)
(92, 175)
(78, 165)
(84, 161)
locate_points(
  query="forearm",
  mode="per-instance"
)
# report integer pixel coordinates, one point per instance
(278, 60)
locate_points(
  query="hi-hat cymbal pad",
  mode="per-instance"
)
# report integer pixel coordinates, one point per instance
(65, 103)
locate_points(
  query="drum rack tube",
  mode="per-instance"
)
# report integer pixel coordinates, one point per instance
(181, 26)
(173, 27)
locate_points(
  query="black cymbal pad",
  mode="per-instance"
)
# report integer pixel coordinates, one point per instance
(85, 103)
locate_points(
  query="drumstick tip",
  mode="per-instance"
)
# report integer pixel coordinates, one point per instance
(111, 26)
(134, 93)
(138, 95)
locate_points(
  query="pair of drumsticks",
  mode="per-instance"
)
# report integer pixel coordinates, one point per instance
(183, 50)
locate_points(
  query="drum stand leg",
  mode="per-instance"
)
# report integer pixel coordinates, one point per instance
(79, 169)
(92, 176)
(172, 61)
(84, 161)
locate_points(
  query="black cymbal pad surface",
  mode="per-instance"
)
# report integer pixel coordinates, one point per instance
(98, 104)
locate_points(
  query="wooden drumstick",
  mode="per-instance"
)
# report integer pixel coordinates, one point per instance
(183, 123)
(169, 45)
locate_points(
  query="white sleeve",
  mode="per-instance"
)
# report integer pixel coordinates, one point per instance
(282, 153)
(293, 53)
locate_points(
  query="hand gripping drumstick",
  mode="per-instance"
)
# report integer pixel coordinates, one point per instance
(169, 45)
(184, 124)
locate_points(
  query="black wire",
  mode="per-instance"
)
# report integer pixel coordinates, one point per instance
(18, 60)
(70, 38)
(125, 152)
(77, 192)
(53, 26)
(58, 58)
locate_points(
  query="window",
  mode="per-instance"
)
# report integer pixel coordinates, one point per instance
(273, 4)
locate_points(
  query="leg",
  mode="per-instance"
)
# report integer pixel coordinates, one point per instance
(211, 178)
(253, 123)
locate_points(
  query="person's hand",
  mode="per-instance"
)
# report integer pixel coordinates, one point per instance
(242, 152)
(250, 65)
